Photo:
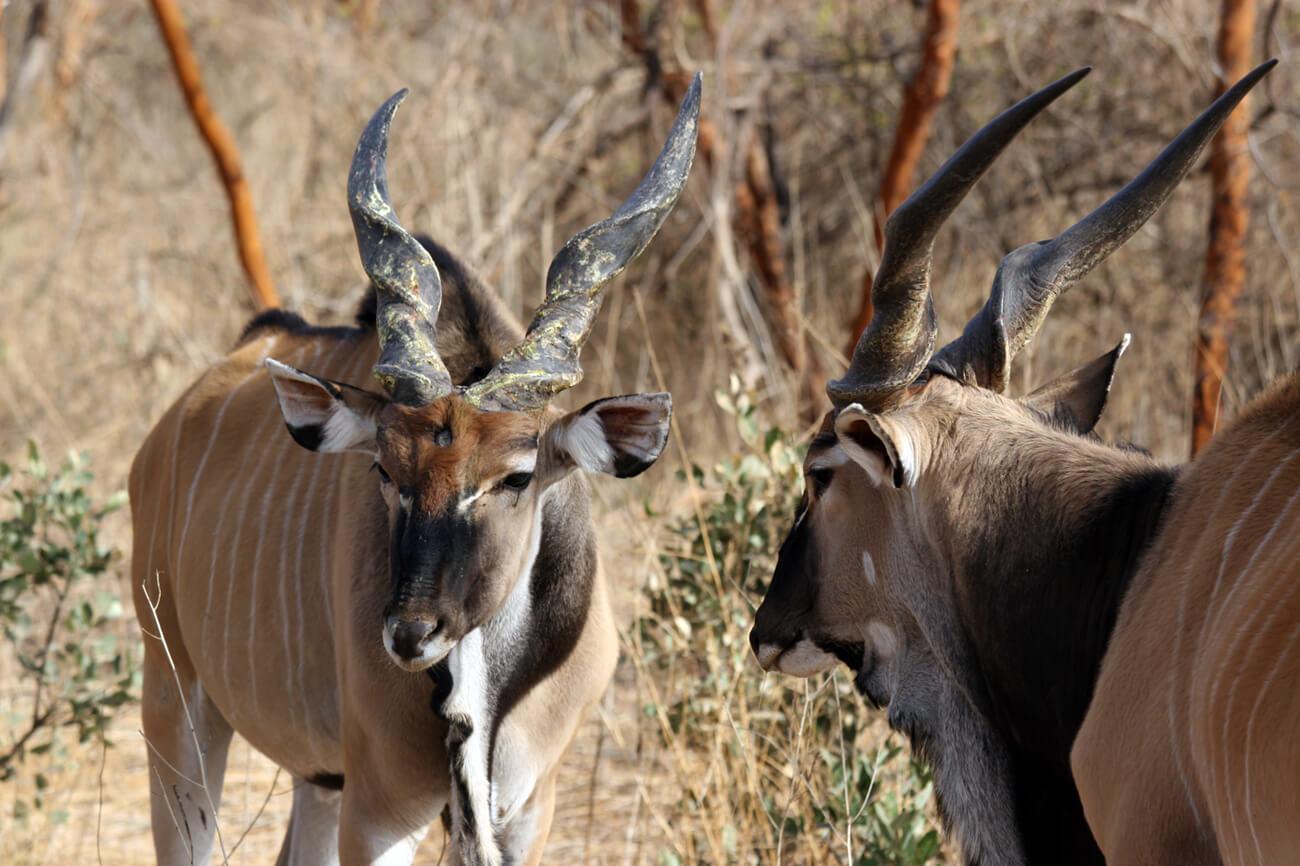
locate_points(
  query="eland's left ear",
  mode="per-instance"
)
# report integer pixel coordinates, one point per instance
(1076, 400)
(322, 415)
(619, 436)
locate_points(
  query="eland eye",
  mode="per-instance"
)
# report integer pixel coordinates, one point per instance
(517, 481)
(383, 476)
(820, 479)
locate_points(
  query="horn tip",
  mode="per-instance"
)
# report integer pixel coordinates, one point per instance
(1123, 345)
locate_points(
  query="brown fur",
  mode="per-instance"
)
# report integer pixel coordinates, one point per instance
(967, 555)
(265, 564)
(1188, 754)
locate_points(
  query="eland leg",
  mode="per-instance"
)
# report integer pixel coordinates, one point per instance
(187, 741)
(313, 835)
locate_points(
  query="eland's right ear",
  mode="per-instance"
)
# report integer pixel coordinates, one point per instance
(322, 415)
(877, 444)
(1076, 400)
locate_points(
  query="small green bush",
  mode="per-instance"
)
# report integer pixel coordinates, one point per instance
(58, 607)
(771, 768)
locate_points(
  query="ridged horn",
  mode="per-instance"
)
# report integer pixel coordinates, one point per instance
(1031, 278)
(406, 280)
(896, 346)
(546, 361)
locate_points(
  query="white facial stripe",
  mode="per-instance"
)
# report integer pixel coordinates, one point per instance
(465, 504)
(404, 501)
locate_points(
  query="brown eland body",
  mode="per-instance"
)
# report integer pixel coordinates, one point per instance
(1000, 579)
(1189, 752)
(400, 600)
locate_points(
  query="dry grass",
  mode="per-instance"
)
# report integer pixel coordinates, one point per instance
(121, 282)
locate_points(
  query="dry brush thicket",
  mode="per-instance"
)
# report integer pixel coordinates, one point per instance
(528, 121)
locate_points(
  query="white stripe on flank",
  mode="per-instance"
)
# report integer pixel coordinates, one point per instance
(1213, 611)
(212, 440)
(1188, 565)
(314, 468)
(1247, 629)
(149, 573)
(255, 477)
(1250, 724)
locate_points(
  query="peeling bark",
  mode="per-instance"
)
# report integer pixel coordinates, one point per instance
(1225, 258)
(221, 144)
(921, 99)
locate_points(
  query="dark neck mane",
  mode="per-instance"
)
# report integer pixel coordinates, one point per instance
(1038, 584)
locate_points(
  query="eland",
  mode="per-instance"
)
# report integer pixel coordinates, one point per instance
(1099, 654)
(400, 600)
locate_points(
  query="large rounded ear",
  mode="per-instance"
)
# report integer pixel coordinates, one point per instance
(878, 444)
(619, 436)
(322, 415)
(1076, 400)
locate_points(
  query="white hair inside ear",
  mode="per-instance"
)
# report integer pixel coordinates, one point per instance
(881, 445)
(584, 441)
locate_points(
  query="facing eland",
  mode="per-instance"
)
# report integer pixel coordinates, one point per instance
(1053, 622)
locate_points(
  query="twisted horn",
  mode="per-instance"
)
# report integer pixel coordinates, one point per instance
(406, 280)
(546, 361)
(896, 346)
(1030, 278)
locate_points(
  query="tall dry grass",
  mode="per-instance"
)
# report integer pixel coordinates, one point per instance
(527, 121)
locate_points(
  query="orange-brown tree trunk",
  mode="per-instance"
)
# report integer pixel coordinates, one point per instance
(224, 152)
(1225, 258)
(921, 98)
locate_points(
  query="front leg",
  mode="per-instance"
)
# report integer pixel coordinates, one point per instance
(376, 830)
(523, 837)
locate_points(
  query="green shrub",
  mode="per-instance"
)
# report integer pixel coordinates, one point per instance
(58, 606)
(769, 766)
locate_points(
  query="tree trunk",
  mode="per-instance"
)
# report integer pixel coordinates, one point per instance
(921, 99)
(1225, 260)
(224, 152)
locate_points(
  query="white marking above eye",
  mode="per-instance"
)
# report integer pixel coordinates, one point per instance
(465, 504)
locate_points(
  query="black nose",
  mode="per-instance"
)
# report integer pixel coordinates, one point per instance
(410, 636)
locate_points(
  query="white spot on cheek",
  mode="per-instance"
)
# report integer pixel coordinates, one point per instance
(805, 659)
(882, 638)
(869, 568)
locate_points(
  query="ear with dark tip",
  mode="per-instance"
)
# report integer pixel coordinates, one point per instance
(1076, 400)
(879, 446)
(323, 415)
(619, 436)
